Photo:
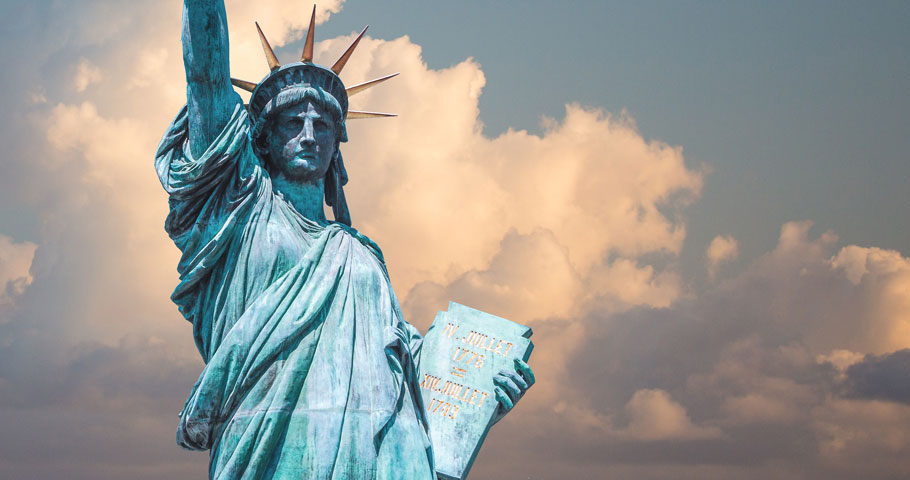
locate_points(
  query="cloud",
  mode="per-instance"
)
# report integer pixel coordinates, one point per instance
(862, 438)
(881, 377)
(86, 74)
(722, 249)
(840, 359)
(15, 262)
(655, 416)
(759, 363)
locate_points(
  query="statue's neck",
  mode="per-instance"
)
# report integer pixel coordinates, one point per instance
(305, 197)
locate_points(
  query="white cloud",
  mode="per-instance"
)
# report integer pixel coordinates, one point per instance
(767, 359)
(150, 68)
(15, 263)
(722, 249)
(656, 416)
(37, 96)
(840, 359)
(863, 439)
(86, 74)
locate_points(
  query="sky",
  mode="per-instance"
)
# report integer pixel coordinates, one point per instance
(697, 206)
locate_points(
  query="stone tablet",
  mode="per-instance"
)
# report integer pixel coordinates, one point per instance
(462, 351)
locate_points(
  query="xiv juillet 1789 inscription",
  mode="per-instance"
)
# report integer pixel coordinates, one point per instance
(462, 353)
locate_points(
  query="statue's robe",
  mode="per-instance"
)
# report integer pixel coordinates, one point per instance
(310, 369)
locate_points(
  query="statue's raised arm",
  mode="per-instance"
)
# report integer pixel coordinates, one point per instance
(209, 95)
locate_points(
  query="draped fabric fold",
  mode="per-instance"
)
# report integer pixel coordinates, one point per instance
(309, 369)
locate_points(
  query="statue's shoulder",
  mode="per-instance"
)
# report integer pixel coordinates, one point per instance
(232, 138)
(364, 240)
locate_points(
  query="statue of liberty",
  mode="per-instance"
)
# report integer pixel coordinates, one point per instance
(309, 365)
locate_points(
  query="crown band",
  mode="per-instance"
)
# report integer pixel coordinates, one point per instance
(297, 74)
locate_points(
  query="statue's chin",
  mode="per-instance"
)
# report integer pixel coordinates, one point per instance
(303, 170)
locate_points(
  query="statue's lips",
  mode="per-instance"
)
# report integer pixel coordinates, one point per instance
(305, 155)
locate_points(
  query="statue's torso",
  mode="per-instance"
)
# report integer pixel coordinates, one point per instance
(308, 366)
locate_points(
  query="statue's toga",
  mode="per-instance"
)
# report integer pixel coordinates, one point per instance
(310, 368)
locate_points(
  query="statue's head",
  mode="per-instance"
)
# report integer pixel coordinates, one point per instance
(300, 138)
(299, 112)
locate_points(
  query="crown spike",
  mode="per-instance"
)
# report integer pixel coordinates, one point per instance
(269, 53)
(347, 53)
(243, 84)
(365, 85)
(308, 46)
(355, 114)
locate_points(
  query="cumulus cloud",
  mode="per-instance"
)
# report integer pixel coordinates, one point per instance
(86, 74)
(15, 262)
(722, 249)
(882, 377)
(862, 438)
(766, 361)
(656, 416)
(754, 372)
(840, 359)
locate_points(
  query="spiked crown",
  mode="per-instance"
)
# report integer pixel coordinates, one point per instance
(306, 73)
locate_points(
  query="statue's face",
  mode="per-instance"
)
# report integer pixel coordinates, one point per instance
(302, 143)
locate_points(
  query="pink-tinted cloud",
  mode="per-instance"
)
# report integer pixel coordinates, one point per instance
(722, 249)
(15, 261)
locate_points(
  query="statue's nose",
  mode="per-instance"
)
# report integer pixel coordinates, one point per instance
(308, 136)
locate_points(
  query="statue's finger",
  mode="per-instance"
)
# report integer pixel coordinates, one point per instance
(518, 379)
(525, 370)
(503, 399)
(508, 385)
(500, 382)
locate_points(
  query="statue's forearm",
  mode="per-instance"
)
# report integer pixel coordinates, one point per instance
(205, 57)
(205, 41)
